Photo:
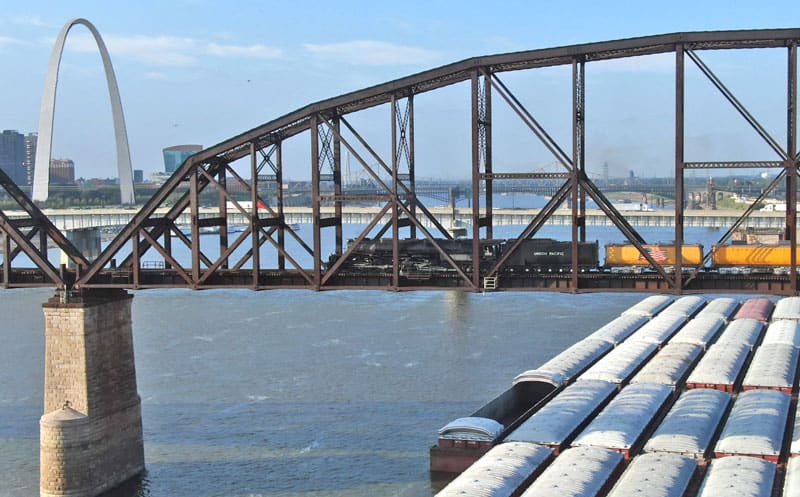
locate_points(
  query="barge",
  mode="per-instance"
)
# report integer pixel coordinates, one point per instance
(610, 431)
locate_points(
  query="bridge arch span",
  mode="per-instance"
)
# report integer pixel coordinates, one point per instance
(41, 179)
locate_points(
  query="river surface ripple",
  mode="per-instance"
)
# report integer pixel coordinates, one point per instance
(291, 393)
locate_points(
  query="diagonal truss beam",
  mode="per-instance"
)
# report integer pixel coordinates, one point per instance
(737, 105)
(406, 190)
(394, 195)
(536, 223)
(750, 209)
(789, 173)
(578, 182)
(145, 216)
(531, 122)
(168, 257)
(333, 270)
(37, 218)
(36, 255)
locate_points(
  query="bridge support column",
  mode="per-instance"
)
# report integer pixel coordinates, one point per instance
(91, 432)
(87, 241)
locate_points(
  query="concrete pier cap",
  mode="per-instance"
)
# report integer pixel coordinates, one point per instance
(91, 430)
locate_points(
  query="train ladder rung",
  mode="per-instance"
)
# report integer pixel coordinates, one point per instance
(490, 283)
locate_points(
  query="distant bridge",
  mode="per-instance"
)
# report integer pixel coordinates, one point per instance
(78, 219)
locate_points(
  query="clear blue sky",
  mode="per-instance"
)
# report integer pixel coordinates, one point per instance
(202, 71)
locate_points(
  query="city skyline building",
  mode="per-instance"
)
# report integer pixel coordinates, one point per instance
(62, 172)
(31, 141)
(12, 155)
(175, 155)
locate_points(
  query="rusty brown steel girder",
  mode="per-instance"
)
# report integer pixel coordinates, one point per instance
(395, 201)
(579, 165)
(397, 205)
(477, 141)
(37, 224)
(375, 177)
(789, 166)
(211, 168)
(680, 101)
(299, 120)
(792, 161)
(576, 177)
(403, 148)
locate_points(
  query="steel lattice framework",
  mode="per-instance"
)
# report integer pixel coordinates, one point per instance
(236, 260)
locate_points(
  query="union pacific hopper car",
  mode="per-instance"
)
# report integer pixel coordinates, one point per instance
(622, 257)
(752, 258)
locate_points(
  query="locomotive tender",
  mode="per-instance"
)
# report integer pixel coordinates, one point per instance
(546, 255)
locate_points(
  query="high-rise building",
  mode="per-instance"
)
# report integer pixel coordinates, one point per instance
(12, 155)
(174, 156)
(62, 172)
(31, 139)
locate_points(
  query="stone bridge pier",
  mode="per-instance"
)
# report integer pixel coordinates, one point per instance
(91, 430)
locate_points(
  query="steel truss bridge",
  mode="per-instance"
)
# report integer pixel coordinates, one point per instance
(237, 260)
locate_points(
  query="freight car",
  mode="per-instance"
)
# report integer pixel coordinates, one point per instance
(421, 256)
(627, 258)
(745, 259)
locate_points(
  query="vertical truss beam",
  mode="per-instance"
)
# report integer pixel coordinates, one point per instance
(315, 207)
(412, 167)
(486, 149)
(330, 156)
(336, 166)
(679, 160)
(579, 165)
(254, 219)
(403, 151)
(395, 212)
(6, 259)
(222, 202)
(792, 162)
(476, 174)
(135, 251)
(277, 178)
(278, 168)
(194, 204)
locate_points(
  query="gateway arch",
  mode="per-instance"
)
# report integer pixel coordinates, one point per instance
(41, 178)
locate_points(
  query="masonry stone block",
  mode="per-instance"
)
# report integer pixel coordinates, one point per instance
(91, 431)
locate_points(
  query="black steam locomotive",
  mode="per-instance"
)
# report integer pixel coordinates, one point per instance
(421, 256)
